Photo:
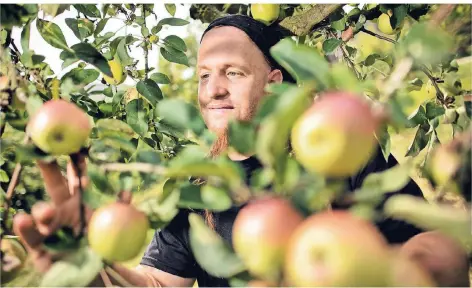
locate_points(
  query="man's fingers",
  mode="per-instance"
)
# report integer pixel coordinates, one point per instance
(54, 182)
(44, 215)
(77, 166)
(24, 227)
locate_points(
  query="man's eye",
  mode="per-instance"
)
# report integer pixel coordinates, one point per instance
(204, 76)
(234, 73)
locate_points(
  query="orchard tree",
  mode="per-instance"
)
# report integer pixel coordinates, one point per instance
(403, 71)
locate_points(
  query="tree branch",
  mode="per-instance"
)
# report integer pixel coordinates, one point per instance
(303, 23)
(377, 35)
(146, 52)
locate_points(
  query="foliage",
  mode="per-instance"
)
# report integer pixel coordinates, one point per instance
(148, 144)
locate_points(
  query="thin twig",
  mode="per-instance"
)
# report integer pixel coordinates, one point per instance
(106, 280)
(140, 167)
(377, 35)
(146, 52)
(117, 276)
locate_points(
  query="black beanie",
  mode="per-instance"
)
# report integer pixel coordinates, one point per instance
(262, 35)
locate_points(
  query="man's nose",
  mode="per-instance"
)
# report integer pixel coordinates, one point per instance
(216, 87)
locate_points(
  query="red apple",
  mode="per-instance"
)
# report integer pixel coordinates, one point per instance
(336, 249)
(335, 137)
(261, 232)
(59, 127)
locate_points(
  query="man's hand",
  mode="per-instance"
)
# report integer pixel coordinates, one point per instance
(62, 211)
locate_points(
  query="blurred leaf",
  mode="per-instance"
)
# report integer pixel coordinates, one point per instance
(25, 36)
(329, 45)
(160, 78)
(89, 54)
(399, 14)
(434, 110)
(204, 197)
(302, 62)
(151, 157)
(375, 185)
(242, 136)
(175, 42)
(89, 10)
(418, 118)
(420, 141)
(119, 143)
(384, 141)
(4, 176)
(100, 26)
(77, 269)
(33, 103)
(81, 76)
(136, 116)
(337, 20)
(173, 22)
(170, 8)
(114, 127)
(173, 55)
(211, 252)
(52, 34)
(441, 217)
(99, 179)
(150, 90)
(181, 115)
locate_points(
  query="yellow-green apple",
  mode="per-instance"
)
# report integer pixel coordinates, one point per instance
(117, 232)
(335, 136)
(59, 127)
(261, 232)
(266, 13)
(336, 248)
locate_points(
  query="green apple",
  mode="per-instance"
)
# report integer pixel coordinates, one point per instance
(336, 248)
(14, 257)
(59, 127)
(260, 235)
(119, 75)
(385, 26)
(117, 232)
(335, 137)
(266, 13)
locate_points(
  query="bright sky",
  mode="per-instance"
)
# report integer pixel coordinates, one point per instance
(41, 47)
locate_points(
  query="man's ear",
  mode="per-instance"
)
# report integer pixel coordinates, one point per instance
(275, 76)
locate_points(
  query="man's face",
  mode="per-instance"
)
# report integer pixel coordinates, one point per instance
(232, 75)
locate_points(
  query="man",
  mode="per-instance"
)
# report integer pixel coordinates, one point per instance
(234, 66)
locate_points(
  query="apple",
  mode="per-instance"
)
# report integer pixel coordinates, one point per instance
(336, 248)
(261, 232)
(117, 232)
(13, 259)
(119, 76)
(407, 273)
(335, 136)
(154, 38)
(59, 127)
(385, 26)
(265, 13)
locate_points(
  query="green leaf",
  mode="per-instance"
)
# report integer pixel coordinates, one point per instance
(136, 116)
(89, 10)
(100, 26)
(211, 252)
(89, 54)
(114, 127)
(4, 176)
(151, 157)
(329, 45)
(173, 22)
(81, 76)
(68, 57)
(242, 136)
(434, 110)
(123, 53)
(399, 14)
(173, 55)
(99, 179)
(119, 143)
(73, 24)
(385, 142)
(175, 42)
(302, 62)
(52, 34)
(144, 31)
(337, 20)
(156, 29)
(377, 184)
(420, 141)
(204, 197)
(160, 78)
(170, 8)
(150, 90)
(181, 115)
(78, 269)
(441, 217)
(25, 37)
(33, 103)
(418, 118)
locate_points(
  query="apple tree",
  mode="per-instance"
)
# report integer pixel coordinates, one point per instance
(403, 71)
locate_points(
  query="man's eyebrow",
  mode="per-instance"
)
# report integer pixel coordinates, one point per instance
(225, 66)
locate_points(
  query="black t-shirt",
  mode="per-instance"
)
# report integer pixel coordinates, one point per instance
(170, 249)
